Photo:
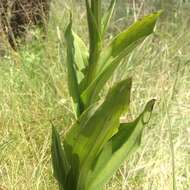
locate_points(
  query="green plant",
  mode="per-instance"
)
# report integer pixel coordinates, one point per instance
(98, 143)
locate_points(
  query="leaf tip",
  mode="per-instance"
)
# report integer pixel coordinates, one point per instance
(160, 12)
(148, 111)
(150, 105)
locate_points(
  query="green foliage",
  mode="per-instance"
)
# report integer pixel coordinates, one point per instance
(118, 149)
(98, 143)
(110, 57)
(61, 166)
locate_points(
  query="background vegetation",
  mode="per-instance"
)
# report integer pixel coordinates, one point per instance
(33, 92)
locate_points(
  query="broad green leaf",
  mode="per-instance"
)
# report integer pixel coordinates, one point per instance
(118, 149)
(74, 132)
(97, 120)
(101, 127)
(97, 124)
(72, 62)
(61, 166)
(140, 29)
(70, 141)
(110, 58)
(84, 118)
(104, 121)
(107, 17)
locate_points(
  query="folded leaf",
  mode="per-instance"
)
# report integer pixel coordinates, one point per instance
(61, 166)
(74, 61)
(96, 124)
(102, 125)
(118, 149)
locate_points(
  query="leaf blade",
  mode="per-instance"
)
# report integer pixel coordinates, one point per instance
(140, 29)
(60, 164)
(101, 127)
(118, 149)
(73, 83)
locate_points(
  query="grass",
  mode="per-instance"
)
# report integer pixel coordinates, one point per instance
(33, 93)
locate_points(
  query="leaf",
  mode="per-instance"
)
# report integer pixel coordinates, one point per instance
(73, 60)
(118, 149)
(61, 166)
(95, 41)
(81, 56)
(88, 139)
(82, 121)
(70, 141)
(140, 29)
(109, 59)
(102, 122)
(90, 95)
(107, 17)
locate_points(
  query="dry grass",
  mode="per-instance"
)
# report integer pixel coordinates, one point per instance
(33, 92)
